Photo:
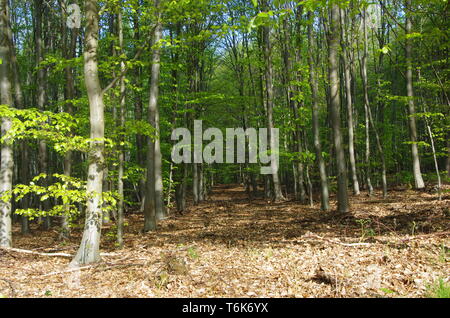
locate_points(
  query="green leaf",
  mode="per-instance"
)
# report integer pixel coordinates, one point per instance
(385, 49)
(387, 290)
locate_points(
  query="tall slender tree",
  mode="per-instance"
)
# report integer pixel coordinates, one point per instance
(154, 203)
(418, 180)
(267, 45)
(24, 171)
(7, 156)
(69, 48)
(349, 100)
(89, 251)
(324, 193)
(363, 69)
(335, 109)
(121, 124)
(41, 94)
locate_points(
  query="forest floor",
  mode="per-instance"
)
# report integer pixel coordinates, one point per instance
(230, 246)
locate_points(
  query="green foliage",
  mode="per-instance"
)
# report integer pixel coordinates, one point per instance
(305, 157)
(387, 291)
(55, 128)
(66, 192)
(366, 230)
(192, 253)
(35, 124)
(139, 127)
(439, 289)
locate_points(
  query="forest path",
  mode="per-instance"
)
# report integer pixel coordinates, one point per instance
(229, 217)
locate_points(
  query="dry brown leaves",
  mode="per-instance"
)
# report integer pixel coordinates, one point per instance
(233, 247)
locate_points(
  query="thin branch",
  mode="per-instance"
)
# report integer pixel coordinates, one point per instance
(391, 16)
(17, 250)
(125, 71)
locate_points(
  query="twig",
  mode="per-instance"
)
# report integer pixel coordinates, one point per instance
(36, 253)
(17, 250)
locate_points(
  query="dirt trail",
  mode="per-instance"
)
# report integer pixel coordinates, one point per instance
(229, 246)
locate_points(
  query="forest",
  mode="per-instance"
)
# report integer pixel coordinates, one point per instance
(225, 148)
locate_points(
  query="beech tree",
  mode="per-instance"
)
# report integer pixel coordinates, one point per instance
(89, 248)
(154, 204)
(7, 158)
(278, 195)
(418, 180)
(335, 108)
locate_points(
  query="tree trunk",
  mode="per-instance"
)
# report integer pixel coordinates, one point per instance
(419, 184)
(433, 149)
(436, 165)
(89, 248)
(335, 108)
(154, 201)
(182, 189)
(120, 208)
(324, 194)
(201, 187)
(140, 139)
(69, 94)
(278, 195)
(298, 166)
(195, 184)
(24, 173)
(7, 156)
(41, 98)
(363, 64)
(349, 100)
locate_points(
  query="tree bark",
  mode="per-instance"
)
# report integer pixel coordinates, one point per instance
(7, 156)
(69, 94)
(278, 195)
(419, 184)
(120, 207)
(335, 108)
(349, 100)
(363, 65)
(41, 98)
(24, 173)
(195, 185)
(89, 248)
(154, 201)
(138, 111)
(299, 166)
(324, 194)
